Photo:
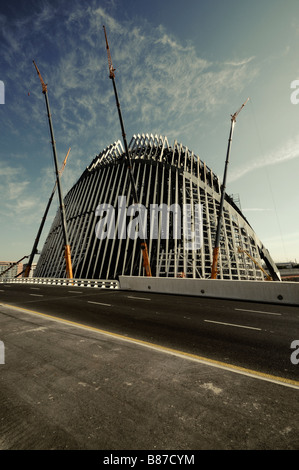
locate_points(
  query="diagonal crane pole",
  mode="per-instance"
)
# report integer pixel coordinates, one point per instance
(12, 265)
(35, 245)
(268, 277)
(217, 239)
(68, 260)
(146, 263)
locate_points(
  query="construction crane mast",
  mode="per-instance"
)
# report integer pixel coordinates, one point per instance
(35, 245)
(217, 239)
(67, 251)
(144, 248)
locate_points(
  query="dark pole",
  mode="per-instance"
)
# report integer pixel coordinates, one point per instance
(12, 265)
(35, 245)
(26, 271)
(125, 143)
(143, 244)
(62, 208)
(217, 239)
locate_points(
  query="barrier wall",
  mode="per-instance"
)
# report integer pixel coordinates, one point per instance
(257, 291)
(286, 293)
(103, 284)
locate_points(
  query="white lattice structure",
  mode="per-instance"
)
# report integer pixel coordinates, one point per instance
(164, 175)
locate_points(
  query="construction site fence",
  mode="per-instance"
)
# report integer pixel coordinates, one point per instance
(98, 283)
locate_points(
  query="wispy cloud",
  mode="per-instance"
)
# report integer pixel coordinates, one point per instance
(289, 151)
(256, 209)
(238, 63)
(164, 85)
(17, 202)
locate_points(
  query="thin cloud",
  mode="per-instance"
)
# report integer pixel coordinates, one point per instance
(8, 171)
(164, 85)
(159, 79)
(256, 209)
(289, 151)
(239, 63)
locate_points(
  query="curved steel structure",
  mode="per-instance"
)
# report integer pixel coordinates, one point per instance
(172, 183)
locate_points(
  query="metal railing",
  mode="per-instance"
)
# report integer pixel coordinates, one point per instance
(98, 283)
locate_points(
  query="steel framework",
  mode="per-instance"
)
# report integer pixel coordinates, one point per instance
(164, 175)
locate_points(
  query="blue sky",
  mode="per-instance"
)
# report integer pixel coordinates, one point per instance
(182, 69)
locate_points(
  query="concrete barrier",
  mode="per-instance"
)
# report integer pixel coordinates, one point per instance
(257, 291)
(98, 283)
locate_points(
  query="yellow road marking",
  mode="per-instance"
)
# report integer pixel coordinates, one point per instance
(174, 352)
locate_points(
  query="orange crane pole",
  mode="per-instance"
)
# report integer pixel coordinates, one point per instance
(268, 277)
(67, 251)
(146, 263)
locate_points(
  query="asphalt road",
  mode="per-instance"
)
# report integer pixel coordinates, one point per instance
(254, 336)
(78, 374)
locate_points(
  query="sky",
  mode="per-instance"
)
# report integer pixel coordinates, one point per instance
(183, 67)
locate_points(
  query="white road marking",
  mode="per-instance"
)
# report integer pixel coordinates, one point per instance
(41, 328)
(183, 355)
(36, 295)
(34, 288)
(233, 324)
(75, 291)
(98, 303)
(138, 298)
(256, 311)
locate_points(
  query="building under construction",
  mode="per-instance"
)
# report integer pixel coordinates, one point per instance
(166, 177)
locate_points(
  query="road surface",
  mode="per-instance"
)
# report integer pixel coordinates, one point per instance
(250, 335)
(100, 369)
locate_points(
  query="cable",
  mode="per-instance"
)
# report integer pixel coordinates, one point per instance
(268, 181)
